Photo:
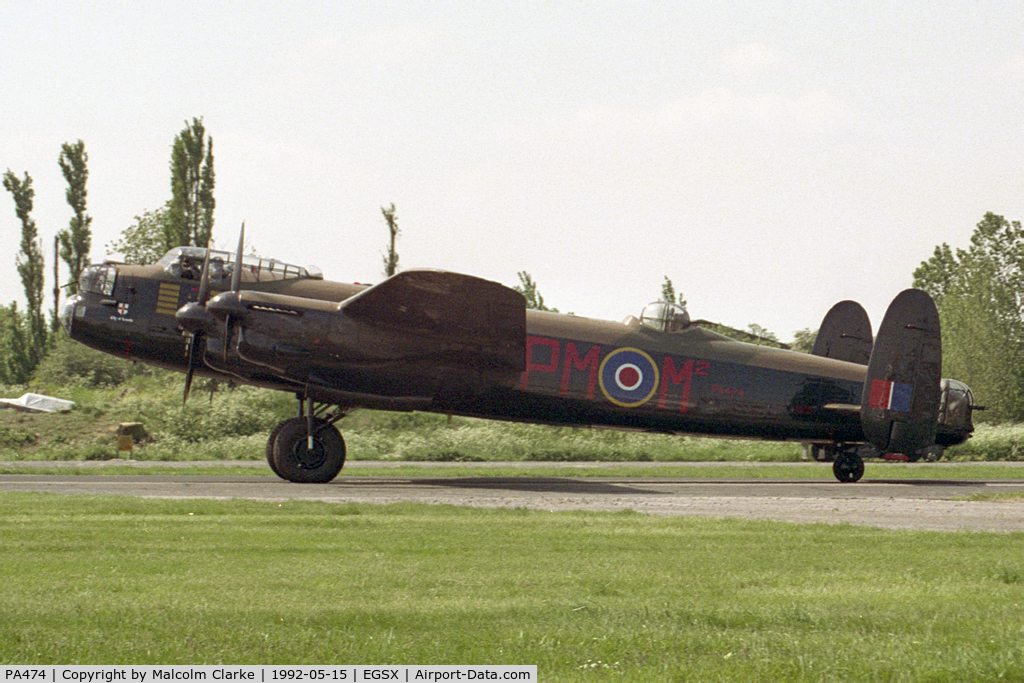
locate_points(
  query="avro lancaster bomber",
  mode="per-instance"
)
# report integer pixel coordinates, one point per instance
(455, 344)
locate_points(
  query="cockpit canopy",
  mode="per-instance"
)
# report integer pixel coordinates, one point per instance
(665, 317)
(98, 279)
(956, 406)
(187, 263)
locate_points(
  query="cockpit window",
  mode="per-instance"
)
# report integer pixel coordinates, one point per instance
(665, 317)
(98, 280)
(187, 263)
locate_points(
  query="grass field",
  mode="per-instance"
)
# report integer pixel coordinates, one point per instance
(583, 596)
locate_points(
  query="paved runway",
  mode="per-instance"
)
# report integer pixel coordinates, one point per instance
(910, 504)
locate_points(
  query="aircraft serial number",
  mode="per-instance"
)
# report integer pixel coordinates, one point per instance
(25, 674)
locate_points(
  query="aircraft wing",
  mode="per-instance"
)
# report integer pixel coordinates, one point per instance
(448, 312)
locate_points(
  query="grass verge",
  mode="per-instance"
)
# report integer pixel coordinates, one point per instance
(583, 596)
(877, 471)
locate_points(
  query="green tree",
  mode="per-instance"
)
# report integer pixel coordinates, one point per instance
(979, 292)
(803, 340)
(16, 364)
(938, 274)
(761, 335)
(528, 288)
(669, 294)
(30, 264)
(391, 258)
(190, 211)
(76, 240)
(144, 241)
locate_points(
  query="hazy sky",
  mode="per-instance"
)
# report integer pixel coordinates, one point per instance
(771, 158)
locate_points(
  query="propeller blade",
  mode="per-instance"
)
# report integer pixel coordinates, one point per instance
(227, 337)
(236, 274)
(193, 362)
(193, 339)
(204, 279)
(236, 281)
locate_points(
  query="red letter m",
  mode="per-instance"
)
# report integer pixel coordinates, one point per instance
(669, 374)
(573, 360)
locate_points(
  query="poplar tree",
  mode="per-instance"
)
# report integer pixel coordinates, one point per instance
(528, 288)
(391, 260)
(30, 264)
(190, 211)
(76, 240)
(669, 294)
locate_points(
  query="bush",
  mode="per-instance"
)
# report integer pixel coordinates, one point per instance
(242, 411)
(991, 442)
(373, 435)
(71, 363)
(13, 437)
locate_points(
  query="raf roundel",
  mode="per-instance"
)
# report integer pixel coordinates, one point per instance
(628, 377)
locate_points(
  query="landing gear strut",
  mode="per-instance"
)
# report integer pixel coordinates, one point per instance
(295, 454)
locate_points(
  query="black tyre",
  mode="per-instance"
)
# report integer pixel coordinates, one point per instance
(270, 444)
(295, 461)
(273, 438)
(848, 467)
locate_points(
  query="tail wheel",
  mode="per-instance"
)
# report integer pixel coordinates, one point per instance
(293, 458)
(848, 467)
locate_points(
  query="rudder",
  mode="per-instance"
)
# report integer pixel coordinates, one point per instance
(845, 334)
(902, 390)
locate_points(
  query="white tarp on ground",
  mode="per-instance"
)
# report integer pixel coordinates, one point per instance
(37, 403)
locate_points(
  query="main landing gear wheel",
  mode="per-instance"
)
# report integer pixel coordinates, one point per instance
(295, 461)
(848, 467)
(271, 440)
